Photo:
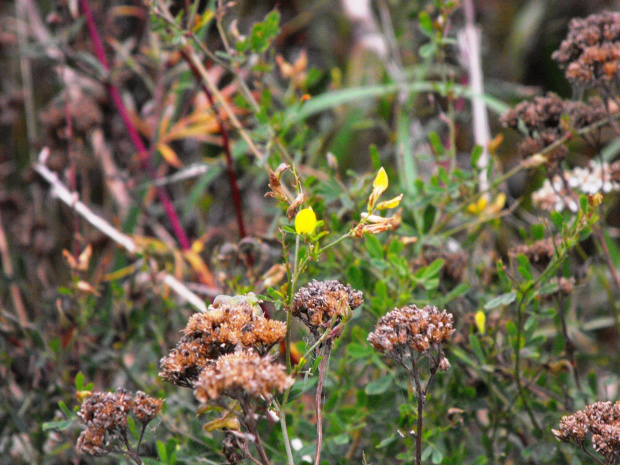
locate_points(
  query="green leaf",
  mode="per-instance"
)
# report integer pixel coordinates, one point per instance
(263, 33)
(433, 269)
(537, 231)
(525, 268)
(435, 141)
(437, 457)
(79, 381)
(373, 246)
(341, 439)
(429, 217)
(375, 158)
(426, 24)
(474, 342)
(379, 385)
(503, 299)
(359, 351)
(57, 425)
(557, 219)
(476, 153)
(387, 441)
(64, 409)
(162, 453)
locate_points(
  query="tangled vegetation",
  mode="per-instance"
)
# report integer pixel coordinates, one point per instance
(308, 232)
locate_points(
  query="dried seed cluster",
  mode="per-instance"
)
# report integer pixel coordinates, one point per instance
(591, 51)
(593, 179)
(243, 372)
(411, 329)
(602, 420)
(538, 253)
(228, 323)
(105, 415)
(320, 301)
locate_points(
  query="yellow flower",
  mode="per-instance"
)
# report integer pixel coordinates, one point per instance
(480, 319)
(305, 221)
(482, 206)
(380, 184)
(392, 203)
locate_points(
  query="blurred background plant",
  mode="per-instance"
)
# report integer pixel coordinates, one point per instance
(138, 141)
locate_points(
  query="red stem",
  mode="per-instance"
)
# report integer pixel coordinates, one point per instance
(143, 153)
(232, 176)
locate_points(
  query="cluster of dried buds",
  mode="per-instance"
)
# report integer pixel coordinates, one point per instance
(591, 51)
(230, 324)
(321, 305)
(602, 420)
(406, 333)
(105, 415)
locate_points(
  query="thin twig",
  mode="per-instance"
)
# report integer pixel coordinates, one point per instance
(72, 200)
(7, 268)
(232, 177)
(132, 131)
(319, 400)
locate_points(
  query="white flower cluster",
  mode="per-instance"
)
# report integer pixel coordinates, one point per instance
(593, 179)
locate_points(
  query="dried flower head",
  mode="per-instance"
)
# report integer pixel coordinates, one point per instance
(105, 415)
(318, 303)
(543, 113)
(602, 420)
(107, 410)
(241, 373)
(145, 407)
(591, 51)
(228, 323)
(411, 329)
(92, 441)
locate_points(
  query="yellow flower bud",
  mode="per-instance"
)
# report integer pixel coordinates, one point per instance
(480, 319)
(305, 221)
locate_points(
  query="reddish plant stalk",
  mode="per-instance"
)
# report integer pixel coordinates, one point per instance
(232, 176)
(143, 153)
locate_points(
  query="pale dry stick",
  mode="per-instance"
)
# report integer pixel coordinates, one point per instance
(72, 200)
(470, 49)
(111, 174)
(7, 267)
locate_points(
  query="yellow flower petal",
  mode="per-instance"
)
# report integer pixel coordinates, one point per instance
(392, 203)
(498, 203)
(305, 221)
(480, 319)
(479, 206)
(380, 183)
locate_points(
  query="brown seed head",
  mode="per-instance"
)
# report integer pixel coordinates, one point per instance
(320, 301)
(243, 372)
(145, 407)
(411, 329)
(230, 322)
